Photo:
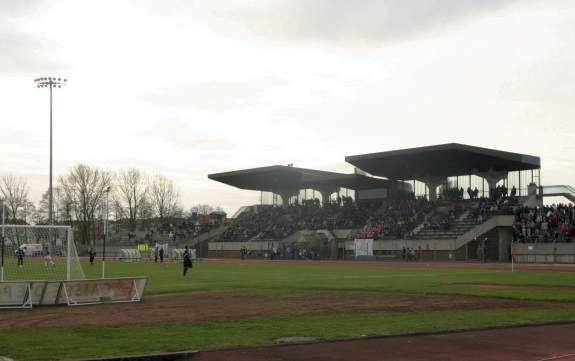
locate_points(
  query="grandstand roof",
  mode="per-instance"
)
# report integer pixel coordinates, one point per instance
(441, 160)
(279, 178)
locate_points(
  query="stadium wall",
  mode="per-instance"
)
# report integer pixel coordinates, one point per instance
(495, 233)
(545, 252)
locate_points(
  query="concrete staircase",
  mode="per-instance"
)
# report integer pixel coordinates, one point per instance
(462, 225)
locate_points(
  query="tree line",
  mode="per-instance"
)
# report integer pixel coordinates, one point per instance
(80, 197)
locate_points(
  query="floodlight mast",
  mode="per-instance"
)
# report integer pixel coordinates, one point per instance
(3, 241)
(50, 82)
(105, 235)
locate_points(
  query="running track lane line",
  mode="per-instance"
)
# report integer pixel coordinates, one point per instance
(567, 357)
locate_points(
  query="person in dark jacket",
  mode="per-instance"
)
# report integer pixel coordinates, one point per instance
(92, 255)
(187, 260)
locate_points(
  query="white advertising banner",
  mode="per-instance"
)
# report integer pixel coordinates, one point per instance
(363, 247)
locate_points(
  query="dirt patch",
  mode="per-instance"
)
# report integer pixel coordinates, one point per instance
(511, 287)
(245, 304)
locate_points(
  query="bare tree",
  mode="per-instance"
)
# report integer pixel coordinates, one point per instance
(64, 211)
(86, 188)
(14, 191)
(63, 207)
(146, 211)
(132, 189)
(27, 212)
(42, 209)
(119, 211)
(164, 196)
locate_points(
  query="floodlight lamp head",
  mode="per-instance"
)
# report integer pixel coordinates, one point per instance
(50, 82)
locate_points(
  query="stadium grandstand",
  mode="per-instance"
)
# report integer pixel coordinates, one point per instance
(441, 202)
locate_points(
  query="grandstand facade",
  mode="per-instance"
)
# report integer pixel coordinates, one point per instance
(425, 171)
(447, 202)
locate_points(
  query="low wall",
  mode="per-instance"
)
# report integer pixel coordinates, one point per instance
(399, 244)
(545, 252)
(237, 246)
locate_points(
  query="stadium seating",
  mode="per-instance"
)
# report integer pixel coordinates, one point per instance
(555, 223)
(403, 219)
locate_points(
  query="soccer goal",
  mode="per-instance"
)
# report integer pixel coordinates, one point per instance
(39, 253)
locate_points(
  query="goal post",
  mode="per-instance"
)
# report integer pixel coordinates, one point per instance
(40, 266)
(39, 253)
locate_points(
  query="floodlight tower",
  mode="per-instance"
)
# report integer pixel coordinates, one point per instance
(50, 82)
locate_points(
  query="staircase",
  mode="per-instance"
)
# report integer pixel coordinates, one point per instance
(462, 225)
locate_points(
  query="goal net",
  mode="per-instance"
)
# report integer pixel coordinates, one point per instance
(39, 253)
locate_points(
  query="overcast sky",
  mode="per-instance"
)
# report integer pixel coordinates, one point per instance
(187, 88)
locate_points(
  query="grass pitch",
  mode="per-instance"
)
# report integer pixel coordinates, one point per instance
(280, 278)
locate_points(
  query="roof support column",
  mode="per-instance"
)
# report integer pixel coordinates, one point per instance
(492, 177)
(286, 195)
(325, 193)
(432, 183)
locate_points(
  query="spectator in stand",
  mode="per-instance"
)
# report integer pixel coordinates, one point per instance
(553, 223)
(513, 191)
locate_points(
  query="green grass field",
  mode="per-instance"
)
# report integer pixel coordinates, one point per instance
(280, 279)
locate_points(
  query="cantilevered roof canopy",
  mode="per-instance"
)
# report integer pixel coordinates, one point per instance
(350, 181)
(441, 160)
(279, 178)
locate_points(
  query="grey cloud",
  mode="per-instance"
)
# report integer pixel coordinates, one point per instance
(30, 140)
(24, 52)
(181, 135)
(345, 20)
(20, 7)
(222, 95)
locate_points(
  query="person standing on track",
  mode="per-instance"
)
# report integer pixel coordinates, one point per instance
(187, 260)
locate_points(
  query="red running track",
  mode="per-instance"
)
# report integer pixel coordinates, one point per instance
(535, 343)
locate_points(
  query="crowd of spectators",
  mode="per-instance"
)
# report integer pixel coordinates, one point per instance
(453, 194)
(487, 208)
(275, 223)
(442, 218)
(555, 223)
(396, 219)
(175, 229)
